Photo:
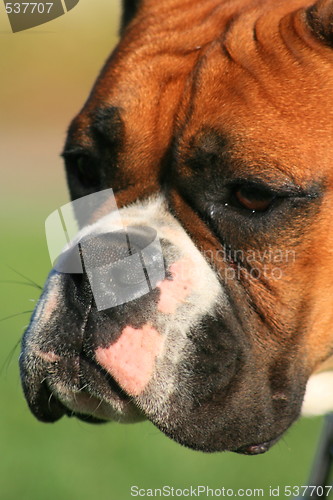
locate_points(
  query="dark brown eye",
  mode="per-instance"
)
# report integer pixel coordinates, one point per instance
(254, 199)
(86, 172)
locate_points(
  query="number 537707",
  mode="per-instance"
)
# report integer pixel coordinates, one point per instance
(28, 7)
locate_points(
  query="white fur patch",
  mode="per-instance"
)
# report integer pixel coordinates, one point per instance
(318, 398)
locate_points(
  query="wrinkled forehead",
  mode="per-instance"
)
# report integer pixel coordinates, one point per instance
(220, 158)
(266, 85)
(259, 120)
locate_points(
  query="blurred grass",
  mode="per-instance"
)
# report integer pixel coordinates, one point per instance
(47, 74)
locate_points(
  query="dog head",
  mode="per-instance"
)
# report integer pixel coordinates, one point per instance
(213, 124)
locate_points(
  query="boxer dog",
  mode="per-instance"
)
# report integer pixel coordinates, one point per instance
(212, 121)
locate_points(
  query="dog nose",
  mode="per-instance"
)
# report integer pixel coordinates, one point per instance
(106, 248)
(121, 265)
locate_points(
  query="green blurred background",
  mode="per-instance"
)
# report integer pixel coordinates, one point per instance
(46, 75)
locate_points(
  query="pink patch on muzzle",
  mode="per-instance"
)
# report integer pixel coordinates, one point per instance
(131, 359)
(175, 291)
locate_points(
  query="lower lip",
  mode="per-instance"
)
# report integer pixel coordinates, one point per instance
(255, 449)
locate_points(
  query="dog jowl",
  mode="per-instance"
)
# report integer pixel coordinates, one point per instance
(213, 124)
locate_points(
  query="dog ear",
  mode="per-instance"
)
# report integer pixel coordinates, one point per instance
(320, 20)
(130, 8)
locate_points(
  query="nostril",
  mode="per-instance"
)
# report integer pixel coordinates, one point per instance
(120, 265)
(140, 237)
(103, 249)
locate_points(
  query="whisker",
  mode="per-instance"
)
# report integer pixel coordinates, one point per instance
(16, 314)
(83, 387)
(9, 358)
(21, 283)
(49, 401)
(29, 280)
(97, 407)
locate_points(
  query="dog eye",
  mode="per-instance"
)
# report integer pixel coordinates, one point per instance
(253, 198)
(85, 171)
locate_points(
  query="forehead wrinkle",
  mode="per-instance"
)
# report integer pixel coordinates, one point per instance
(215, 152)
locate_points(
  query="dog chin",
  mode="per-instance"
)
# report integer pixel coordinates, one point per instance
(90, 409)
